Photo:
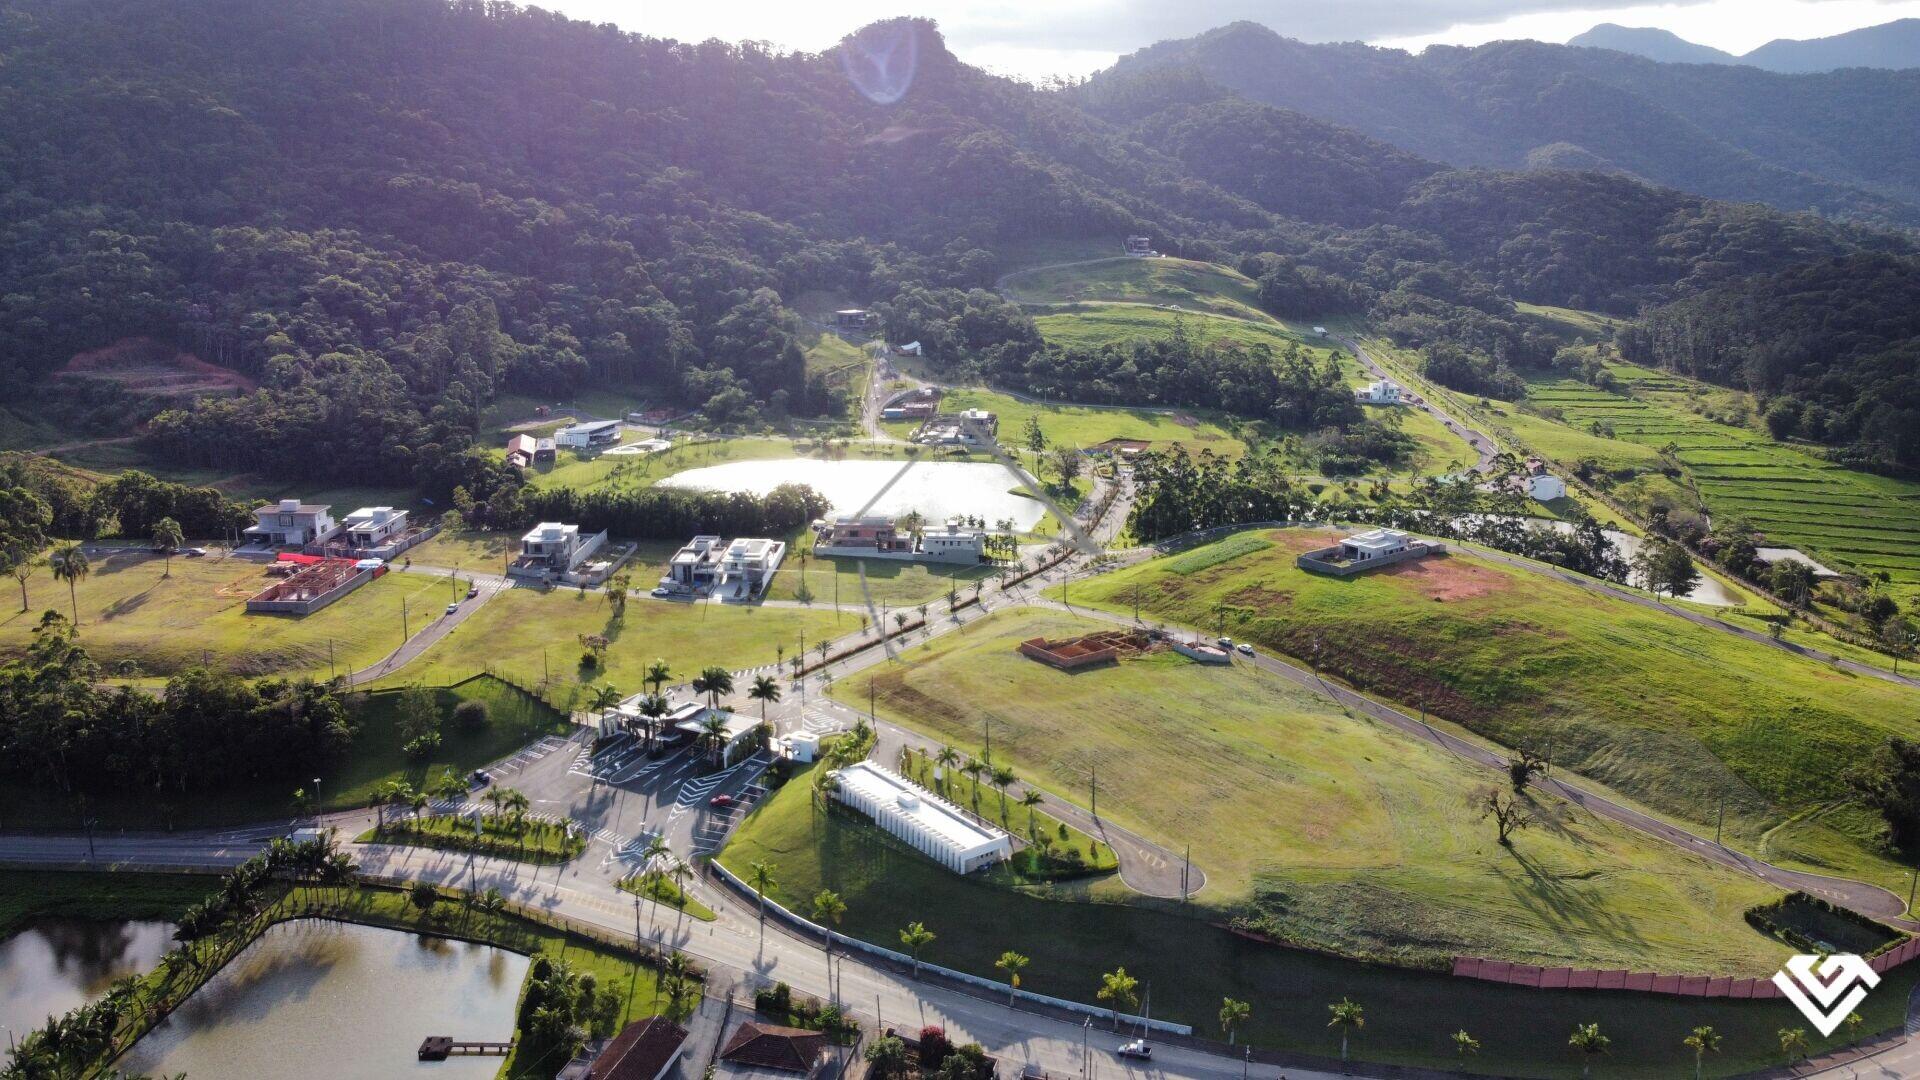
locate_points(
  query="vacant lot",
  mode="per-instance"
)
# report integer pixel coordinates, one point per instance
(1192, 963)
(1084, 426)
(529, 636)
(1341, 832)
(139, 623)
(1675, 715)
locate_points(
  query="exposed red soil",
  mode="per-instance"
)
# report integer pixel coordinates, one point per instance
(1443, 578)
(145, 366)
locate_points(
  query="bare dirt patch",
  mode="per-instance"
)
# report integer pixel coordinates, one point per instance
(144, 366)
(1442, 578)
(1299, 542)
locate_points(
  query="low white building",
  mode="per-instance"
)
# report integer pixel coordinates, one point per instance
(1379, 392)
(374, 526)
(552, 547)
(935, 827)
(588, 434)
(1374, 544)
(695, 568)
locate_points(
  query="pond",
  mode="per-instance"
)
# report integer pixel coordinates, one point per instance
(319, 1000)
(938, 489)
(56, 965)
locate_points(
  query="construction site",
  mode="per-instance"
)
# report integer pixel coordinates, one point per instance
(312, 582)
(1104, 647)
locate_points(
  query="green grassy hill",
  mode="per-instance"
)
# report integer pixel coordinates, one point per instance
(1182, 283)
(1672, 714)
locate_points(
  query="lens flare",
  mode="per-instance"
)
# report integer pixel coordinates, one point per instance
(881, 60)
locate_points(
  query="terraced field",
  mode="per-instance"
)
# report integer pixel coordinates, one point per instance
(1850, 520)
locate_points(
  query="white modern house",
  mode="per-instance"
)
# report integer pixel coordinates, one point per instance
(877, 536)
(374, 526)
(552, 548)
(937, 828)
(748, 567)
(1366, 551)
(291, 523)
(1378, 392)
(695, 568)
(589, 434)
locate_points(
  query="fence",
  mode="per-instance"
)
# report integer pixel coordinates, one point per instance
(1716, 986)
(856, 945)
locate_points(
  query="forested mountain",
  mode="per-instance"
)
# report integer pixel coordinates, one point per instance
(387, 212)
(1842, 143)
(1889, 45)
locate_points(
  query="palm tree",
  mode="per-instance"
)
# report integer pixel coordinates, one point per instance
(1464, 1044)
(491, 901)
(713, 732)
(680, 871)
(1031, 800)
(168, 537)
(1120, 991)
(604, 697)
(657, 675)
(946, 759)
(1587, 1039)
(973, 769)
(714, 681)
(1013, 964)
(916, 937)
(1793, 1043)
(517, 804)
(70, 565)
(1232, 1015)
(761, 876)
(1003, 778)
(828, 908)
(763, 690)
(1349, 1016)
(1703, 1041)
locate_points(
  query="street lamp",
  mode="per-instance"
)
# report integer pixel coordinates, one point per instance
(316, 800)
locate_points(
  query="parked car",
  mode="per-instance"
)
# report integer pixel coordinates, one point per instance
(1137, 1049)
(194, 553)
(481, 778)
(721, 801)
(1226, 643)
(662, 592)
(473, 591)
(1245, 649)
(453, 607)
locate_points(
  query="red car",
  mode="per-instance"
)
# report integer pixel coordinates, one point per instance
(721, 800)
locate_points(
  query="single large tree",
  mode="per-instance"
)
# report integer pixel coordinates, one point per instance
(71, 566)
(168, 538)
(760, 876)
(764, 689)
(657, 675)
(1120, 991)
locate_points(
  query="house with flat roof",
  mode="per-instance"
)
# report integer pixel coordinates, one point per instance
(876, 536)
(740, 736)
(520, 450)
(291, 523)
(695, 568)
(544, 451)
(551, 548)
(1367, 550)
(1139, 246)
(937, 828)
(748, 567)
(589, 433)
(852, 319)
(1378, 392)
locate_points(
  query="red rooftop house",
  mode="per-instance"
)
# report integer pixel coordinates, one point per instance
(644, 1050)
(767, 1046)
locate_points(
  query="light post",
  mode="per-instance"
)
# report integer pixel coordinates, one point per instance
(316, 801)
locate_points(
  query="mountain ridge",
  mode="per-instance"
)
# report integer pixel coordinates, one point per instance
(1892, 45)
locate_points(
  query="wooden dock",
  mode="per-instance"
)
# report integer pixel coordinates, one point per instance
(442, 1047)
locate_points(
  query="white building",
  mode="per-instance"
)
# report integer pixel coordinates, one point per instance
(554, 548)
(695, 568)
(932, 825)
(588, 434)
(374, 526)
(1378, 392)
(291, 523)
(748, 567)
(1374, 544)
(954, 543)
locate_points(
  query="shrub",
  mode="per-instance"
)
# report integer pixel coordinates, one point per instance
(934, 1047)
(471, 715)
(775, 1000)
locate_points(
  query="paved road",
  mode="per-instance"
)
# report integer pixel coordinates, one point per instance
(438, 626)
(1481, 443)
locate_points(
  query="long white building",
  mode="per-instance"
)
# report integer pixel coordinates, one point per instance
(936, 827)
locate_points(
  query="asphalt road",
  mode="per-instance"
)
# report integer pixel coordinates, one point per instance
(1481, 443)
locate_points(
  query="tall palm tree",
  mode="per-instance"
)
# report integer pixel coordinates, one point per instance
(168, 538)
(714, 681)
(680, 871)
(1120, 991)
(1031, 800)
(916, 937)
(657, 675)
(1587, 1039)
(1793, 1044)
(828, 908)
(653, 706)
(946, 759)
(1003, 779)
(517, 804)
(1232, 1015)
(1349, 1016)
(71, 566)
(973, 769)
(1703, 1041)
(604, 698)
(713, 732)
(763, 690)
(760, 875)
(1013, 964)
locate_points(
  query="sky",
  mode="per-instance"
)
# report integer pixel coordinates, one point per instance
(1040, 39)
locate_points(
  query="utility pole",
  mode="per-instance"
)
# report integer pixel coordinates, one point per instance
(330, 672)
(1096, 793)
(1910, 885)
(1720, 816)
(405, 632)
(1186, 872)
(987, 725)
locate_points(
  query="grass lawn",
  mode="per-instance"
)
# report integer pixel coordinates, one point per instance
(1028, 823)
(1091, 324)
(1182, 283)
(1672, 714)
(138, 623)
(541, 842)
(625, 472)
(30, 894)
(663, 890)
(528, 636)
(1360, 841)
(516, 718)
(1083, 426)
(1193, 963)
(894, 584)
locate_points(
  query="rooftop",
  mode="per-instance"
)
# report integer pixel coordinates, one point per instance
(1377, 539)
(549, 531)
(911, 800)
(640, 1051)
(769, 1046)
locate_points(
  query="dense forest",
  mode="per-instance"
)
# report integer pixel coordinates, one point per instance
(388, 213)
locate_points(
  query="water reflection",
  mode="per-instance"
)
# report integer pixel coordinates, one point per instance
(315, 999)
(56, 965)
(938, 489)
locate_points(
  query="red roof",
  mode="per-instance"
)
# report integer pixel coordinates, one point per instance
(303, 560)
(772, 1047)
(640, 1051)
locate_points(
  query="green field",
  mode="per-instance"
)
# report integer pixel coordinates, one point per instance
(1674, 715)
(1183, 283)
(1191, 963)
(1083, 426)
(26, 895)
(529, 636)
(895, 585)
(1360, 841)
(139, 623)
(629, 472)
(1092, 324)
(375, 758)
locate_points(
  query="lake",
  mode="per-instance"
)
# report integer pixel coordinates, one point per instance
(938, 489)
(319, 1000)
(56, 965)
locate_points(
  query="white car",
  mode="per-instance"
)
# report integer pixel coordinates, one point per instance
(1245, 649)
(453, 607)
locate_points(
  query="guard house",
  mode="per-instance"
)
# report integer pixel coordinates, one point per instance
(1366, 551)
(551, 548)
(939, 829)
(291, 523)
(695, 568)
(738, 731)
(589, 434)
(1139, 246)
(748, 567)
